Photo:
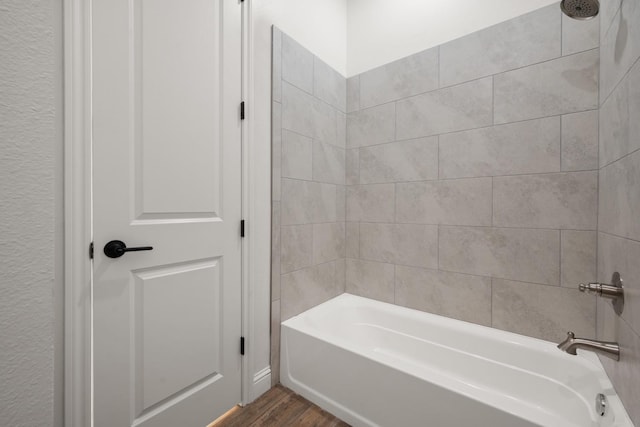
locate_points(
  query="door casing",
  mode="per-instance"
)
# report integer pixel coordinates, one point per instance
(78, 220)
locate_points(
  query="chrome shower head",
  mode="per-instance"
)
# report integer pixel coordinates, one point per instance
(580, 9)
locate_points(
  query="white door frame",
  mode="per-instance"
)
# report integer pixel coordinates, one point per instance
(78, 217)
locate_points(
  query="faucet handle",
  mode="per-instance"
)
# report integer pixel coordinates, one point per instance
(614, 291)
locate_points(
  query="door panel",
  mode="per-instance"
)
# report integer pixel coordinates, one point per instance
(166, 174)
(178, 119)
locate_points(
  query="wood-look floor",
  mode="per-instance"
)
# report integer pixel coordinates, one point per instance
(279, 407)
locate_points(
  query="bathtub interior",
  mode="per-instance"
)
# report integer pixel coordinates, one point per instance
(504, 370)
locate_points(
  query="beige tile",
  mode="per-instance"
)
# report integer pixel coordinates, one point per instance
(527, 39)
(328, 163)
(532, 146)
(329, 85)
(307, 115)
(371, 203)
(341, 129)
(508, 253)
(578, 262)
(412, 160)
(565, 200)
(328, 242)
(296, 247)
(620, 46)
(297, 64)
(402, 244)
(353, 240)
(341, 275)
(616, 254)
(370, 279)
(580, 141)
(625, 374)
(341, 203)
(545, 312)
(565, 85)
(459, 296)
(305, 202)
(579, 35)
(372, 126)
(297, 152)
(453, 202)
(456, 108)
(620, 197)
(411, 75)
(307, 288)
(353, 166)
(353, 93)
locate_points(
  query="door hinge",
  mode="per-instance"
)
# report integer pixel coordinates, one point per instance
(91, 250)
(242, 110)
(242, 228)
(242, 346)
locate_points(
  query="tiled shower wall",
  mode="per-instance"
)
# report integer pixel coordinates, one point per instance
(472, 177)
(308, 188)
(619, 211)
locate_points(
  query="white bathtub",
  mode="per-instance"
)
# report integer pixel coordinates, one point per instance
(377, 364)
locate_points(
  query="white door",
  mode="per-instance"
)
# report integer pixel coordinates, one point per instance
(166, 173)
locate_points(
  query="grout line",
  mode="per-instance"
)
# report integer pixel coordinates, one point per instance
(491, 301)
(493, 100)
(463, 130)
(615, 87)
(475, 79)
(537, 174)
(560, 257)
(493, 201)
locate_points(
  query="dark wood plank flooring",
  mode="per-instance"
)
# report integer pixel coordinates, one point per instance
(279, 407)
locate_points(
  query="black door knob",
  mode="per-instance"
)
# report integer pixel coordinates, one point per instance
(117, 248)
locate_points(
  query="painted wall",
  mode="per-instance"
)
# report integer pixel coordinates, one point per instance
(472, 191)
(619, 220)
(382, 31)
(308, 216)
(321, 26)
(30, 172)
